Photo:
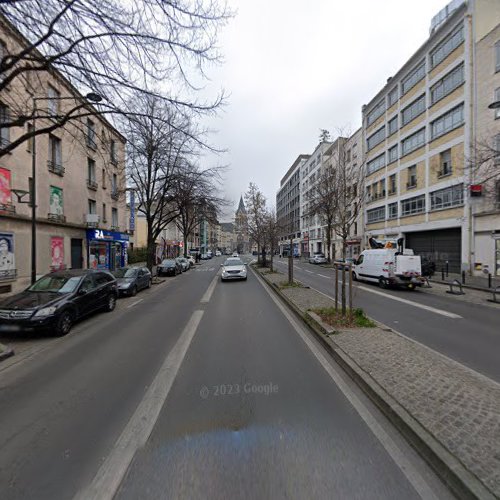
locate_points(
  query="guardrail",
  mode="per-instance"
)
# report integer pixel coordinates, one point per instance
(495, 291)
(455, 283)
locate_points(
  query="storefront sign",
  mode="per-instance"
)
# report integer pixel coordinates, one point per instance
(7, 258)
(107, 249)
(57, 252)
(131, 225)
(5, 194)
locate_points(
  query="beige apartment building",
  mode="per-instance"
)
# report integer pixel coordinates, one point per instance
(80, 182)
(419, 132)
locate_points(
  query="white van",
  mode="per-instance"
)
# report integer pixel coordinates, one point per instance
(388, 266)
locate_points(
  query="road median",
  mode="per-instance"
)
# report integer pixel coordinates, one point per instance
(448, 412)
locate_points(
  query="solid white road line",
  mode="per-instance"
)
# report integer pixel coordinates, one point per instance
(210, 290)
(400, 459)
(310, 272)
(411, 303)
(136, 433)
(134, 303)
(323, 276)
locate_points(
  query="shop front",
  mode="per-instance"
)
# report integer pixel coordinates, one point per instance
(106, 249)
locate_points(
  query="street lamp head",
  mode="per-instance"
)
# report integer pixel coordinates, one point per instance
(494, 105)
(94, 97)
(20, 194)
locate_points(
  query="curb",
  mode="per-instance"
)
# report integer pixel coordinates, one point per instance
(5, 352)
(452, 472)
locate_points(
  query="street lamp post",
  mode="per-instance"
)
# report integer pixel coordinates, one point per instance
(91, 96)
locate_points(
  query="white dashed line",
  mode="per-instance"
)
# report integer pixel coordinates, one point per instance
(134, 303)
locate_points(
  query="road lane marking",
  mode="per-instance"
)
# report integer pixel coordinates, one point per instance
(135, 435)
(393, 450)
(310, 272)
(409, 302)
(210, 290)
(134, 303)
(323, 276)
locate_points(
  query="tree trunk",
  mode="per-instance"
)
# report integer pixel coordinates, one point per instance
(150, 262)
(258, 253)
(185, 241)
(329, 242)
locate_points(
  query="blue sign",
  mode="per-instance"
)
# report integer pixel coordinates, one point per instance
(104, 235)
(131, 224)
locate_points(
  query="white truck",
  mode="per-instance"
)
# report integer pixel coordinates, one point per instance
(389, 267)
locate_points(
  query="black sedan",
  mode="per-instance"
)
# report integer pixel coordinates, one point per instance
(57, 300)
(132, 279)
(169, 267)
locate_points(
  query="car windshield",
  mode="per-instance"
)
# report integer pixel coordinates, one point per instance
(59, 284)
(168, 262)
(233, 262)
(125, 272)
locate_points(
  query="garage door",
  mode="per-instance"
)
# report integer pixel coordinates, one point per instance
(439, 246)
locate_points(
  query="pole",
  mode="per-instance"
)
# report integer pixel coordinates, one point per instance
(343, 291)
(290, 263)
(350, 289)
(336, 287)
(33, 201)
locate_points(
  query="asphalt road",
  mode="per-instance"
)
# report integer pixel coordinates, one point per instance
(473, 339)
(200, 390)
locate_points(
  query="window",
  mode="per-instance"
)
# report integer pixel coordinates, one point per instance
(393, 210)
(113, 152)
(376, 138)
(393, 125)
(348, 155)
(91, 142)
(392, 184)
(103, 178)
(447, 84)
(497, 194)
(496, 147)
(497, 99)
(393, 153)
(447, 122)
(114, 184)
(104, 213)
(415, 109)
(412, 177)
(114, 217)
(413, 206)
(375, 215)
(382, 188)
(392, 98)
(368, 193)
(447, 46)
(53, 101)
(55, 155)
(4, 131)
(375, 164)
(91, 169)
(376, 112)
(413, 142)
(92, 206)
(497, 56)
(413, 77)
(445, 163)
(448, 197)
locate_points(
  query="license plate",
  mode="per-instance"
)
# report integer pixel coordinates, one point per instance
(10, 328)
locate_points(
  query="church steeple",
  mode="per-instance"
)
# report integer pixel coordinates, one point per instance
(241, 207)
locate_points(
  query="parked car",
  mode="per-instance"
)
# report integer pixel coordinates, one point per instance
(132, 279)
(233, 268)
(218, 253)
(344, 264)
(235, 254)
(318, 258)
(388, 267)
(191, 259)
(169, 267)
(57, 300)
(204, 256)
(210, 254)
(185, 265)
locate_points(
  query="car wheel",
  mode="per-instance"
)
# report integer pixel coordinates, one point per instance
(110, 303)
(133, 293)
(64, 324)
(150, 282)
(354, 276)
(382, 282)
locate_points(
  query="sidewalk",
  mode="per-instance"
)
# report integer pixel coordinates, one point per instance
(478, 282)
(449, 412)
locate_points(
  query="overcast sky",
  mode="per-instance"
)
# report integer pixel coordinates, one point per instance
(292, 67)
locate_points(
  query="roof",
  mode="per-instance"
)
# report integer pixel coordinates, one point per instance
(241, 207)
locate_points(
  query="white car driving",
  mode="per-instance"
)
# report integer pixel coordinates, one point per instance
(233, 269)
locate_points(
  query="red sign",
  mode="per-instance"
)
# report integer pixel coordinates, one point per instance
(476, 190)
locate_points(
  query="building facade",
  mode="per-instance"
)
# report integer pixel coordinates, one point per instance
(241, 228)
(419, 134)
(288, 205)
(80, 182)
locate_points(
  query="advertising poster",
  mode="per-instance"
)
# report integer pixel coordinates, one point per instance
(7, 259)
(57, 252)
(5, 195)
(56, 201)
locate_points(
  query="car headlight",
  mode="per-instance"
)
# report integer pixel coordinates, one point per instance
(46, 311)
(125, 285)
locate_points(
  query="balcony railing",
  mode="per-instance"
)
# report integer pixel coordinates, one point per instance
(115, 228)
(56, 217)
(55, 168)
(115, 194)
(92, 184)
(92, 220)
(7, 208)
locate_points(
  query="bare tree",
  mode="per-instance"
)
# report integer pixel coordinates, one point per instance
(256, 212)
(324, 135)
(271, 234)
(113, 48)
(484, 165)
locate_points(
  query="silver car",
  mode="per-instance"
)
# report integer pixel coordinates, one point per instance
(233, 269)
(318, 258)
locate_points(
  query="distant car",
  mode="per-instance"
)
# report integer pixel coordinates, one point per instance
(204, 256)
(217, 253)
(132, 279)
(169, 267)
(185, 264)
(318, 258)
(344, 264)
(232, 269)
(235, 254)
(57, 300)
(191, 259)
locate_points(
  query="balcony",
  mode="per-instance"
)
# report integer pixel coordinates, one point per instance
(55, 168)
(92, 184)
(92, 220)
(7, 208)
(115, 228)
(115, 194)
(56, 217)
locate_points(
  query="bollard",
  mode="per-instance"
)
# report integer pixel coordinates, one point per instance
(463, 277)
(496, 292)
(447, 268)
(455, 283)
(489, 280)
(442, 274)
